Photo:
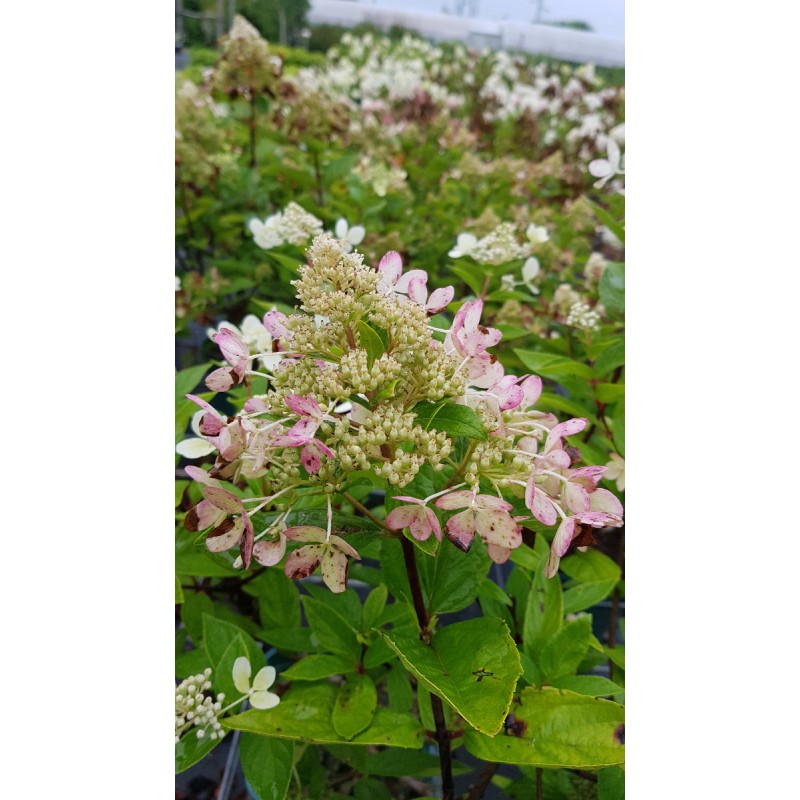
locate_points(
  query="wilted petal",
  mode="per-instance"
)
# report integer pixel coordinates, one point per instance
(304, 561)
(241, 674)
(603, 500)
(576, 497)
(498, 554)
(402, 517)
(460, 529)
(269, 553)
(334, 570)
(226, 535)
(539, 503)
(201, 476)
(220, 380)
(223, 499)
(203, 516)
(341, 544)
(309, 457)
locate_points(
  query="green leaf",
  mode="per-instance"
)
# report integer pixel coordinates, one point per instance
(317, 667)
(544, 613)
(451, 579)
(586, 595)
(474, 281)
(305, 713)
(473, 665)
(331, 630)
(224, 643)
(373, 607)
(195, 604)
(355, 705)
(393, 763)
(189, 750)
(179, 597)
(278, 599)
(398, 686)
(565, 651)
(618, 427)
(611, 784)
(453, 419)
(592, 685)
(594, 576)
(609, 392)
(556, 728)
(555, 402)
(611, 358)
(606, 219)
(267, 765)
(612, 288)
(550, 365)
(370, 340)
(187, 379)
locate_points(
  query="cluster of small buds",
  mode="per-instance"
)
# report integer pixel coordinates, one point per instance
(381, 178)
(294, 225)
(500, 245)
(564, 298)
(584, 317)
(196, 709)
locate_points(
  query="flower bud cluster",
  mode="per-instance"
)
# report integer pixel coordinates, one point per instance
(195, 708)
(294, 225)
(583, 316)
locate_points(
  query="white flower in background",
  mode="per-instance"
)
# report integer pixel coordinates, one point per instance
(177, 284)
(607, 168)
(615, 470)
(298, 226)
(196, 446)
(594, 268)
(508, 283)
(267, 234)
(537, 234)
(257, 692)
(351, 236)
(530, 269)
(582, 316)
(465, 244)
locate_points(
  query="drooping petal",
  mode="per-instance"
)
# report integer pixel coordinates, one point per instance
(220, 380)
(603, 500)
(226, 535)
(576, 497)
(234, 350)
(334, 570)
(402, 517)
(439, 299)
(268, 554)
(304, 561)
(223, 499)
(568, 428)
(498, 554)
(432, 523)
(241, 674)
(460, 529)
(404, 281)
(539, 503)
(563, 537)
(201, 476)
(341, 544)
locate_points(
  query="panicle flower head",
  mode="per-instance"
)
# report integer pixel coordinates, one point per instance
(195, 707)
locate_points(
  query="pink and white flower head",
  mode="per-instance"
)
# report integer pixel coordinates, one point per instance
(392, 280)
(311, 416)
(420, 520)
(438, 300)
(470, 339)
(328, 552)
(485, 515)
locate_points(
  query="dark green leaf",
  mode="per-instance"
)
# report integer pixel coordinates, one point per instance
(371, 342)
(565, 651)
(592, 685)
(612, 288)
(317, 667)
(355, 705)
(267, 765)
(555, 367)
(453, 419)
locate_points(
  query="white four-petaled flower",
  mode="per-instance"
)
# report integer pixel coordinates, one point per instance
(257, 691)
(350, 236)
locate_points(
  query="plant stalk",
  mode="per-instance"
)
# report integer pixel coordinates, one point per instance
(252, 125)
(442, 734)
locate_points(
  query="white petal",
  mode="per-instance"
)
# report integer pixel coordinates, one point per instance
(194, 448)
(356, 234)
(195, 426)
(530, 269)
(264, 700)
(600, 168)
(341, 228)
(264, 679)
(613, 154)
(241, 674)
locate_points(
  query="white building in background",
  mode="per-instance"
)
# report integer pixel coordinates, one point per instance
(546, 40)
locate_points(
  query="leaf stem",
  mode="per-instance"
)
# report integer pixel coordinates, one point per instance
(483, 781)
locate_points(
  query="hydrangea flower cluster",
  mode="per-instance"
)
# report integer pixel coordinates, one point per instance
(294, 225)
(359, 362)
(196, 709)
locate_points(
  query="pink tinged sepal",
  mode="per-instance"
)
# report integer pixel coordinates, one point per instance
(275, 323)
(603, 500)
(232, 441)
(303, 405)
(498, 554)
(305, 533)
(390, 266)
(568, 428)
(532, 389)
(255, 404)
(342, 545)
(269, 553)
(225, 536)
(403, 283)
(420, 521)
(490, 502)
(498, 528)
(560, 545)
(334, 570)
(304, 561)
(233, 348)
(539, 503)
(559, 458)
(453, 500)
(460, 529)
(220, 380)
(588, 477)
(211, 423)
(201, 476)
(203, 516)
(576, 497)
(309, 457)
(223, 499)
(440, 299)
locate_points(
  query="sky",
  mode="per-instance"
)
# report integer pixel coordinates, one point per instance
(607, 17)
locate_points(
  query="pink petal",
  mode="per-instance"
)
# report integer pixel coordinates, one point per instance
(201, 476)
(498, 528)
(324, 449)
(460, 529)
(532, 388)
(304, 561)
(402, 517)
(559, 458)
(563, 537)
(233, 348)
(220, 380)
(254, 404)
(341, 544)
(309, 457)
(275, 323)
(305, 406)
(539, 503)
(403, 282)
(269, 553)
(439, 299)
(305, 533)
(455, 500)
(603, 500)
(488, 502)
(433, 523)
(406, 499)
(223, 499)
(391, 265)
(576, 497)
(598, 519)
(232, 441)
(511, 398)
(418, 291)
(498, 554)
(203, 516)
(567, 428)
(334, 570)
(472, 314)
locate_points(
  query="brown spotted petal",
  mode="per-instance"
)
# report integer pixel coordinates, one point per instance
(334, 569)
(225, 535)
(341, 544)
(460, 529)
(304, 561)
(223, 499)
(498, 528)
(203, 516)
(269, 553)
(305, 533)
